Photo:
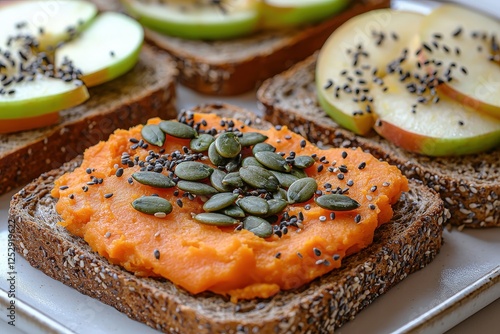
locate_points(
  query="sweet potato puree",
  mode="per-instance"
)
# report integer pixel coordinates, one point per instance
(226, 261)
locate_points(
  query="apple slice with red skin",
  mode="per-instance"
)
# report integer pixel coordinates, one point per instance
(466, 45)
(445, 128)
(352, 59)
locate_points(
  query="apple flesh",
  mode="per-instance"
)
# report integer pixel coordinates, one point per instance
(289, 13)
(51, 22)
(197, 20)
(465, 43)
(445, 128)
(353, 57)
(108, 48)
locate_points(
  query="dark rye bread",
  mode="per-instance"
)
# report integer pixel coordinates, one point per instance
(410, 241)
(146, 91)
(469, 186)
(236, 66)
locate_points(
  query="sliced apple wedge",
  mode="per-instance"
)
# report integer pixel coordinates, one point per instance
(197, 19)
(445, 128)
(467, 46)
(51, 22)
(355, 58)
(108, 48)
(32, 100)
(287, 13)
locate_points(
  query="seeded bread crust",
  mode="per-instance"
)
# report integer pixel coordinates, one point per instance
(410, 241)
(146, 91)
(239, 65)
(469, 186)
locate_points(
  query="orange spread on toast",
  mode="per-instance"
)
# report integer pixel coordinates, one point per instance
(223, 260)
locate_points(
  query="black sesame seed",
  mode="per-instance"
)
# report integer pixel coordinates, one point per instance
(88, 170)
(344, 154)
(332, 215)
(278, 255)
(373, 188)
(457, 32)
(362, 165)
(372, 206)
(119, 172)
(109, 195)
(336, 257)
(320, 168)
(299, 255)
(71, 196)
(461, 123)
(63, 187)
(357, 219)
(156, 254)
(317, 252)
(179, 203)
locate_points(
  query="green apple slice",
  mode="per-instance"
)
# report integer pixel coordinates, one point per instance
(204, 19)
(108, 48)
(50, 21)
(467, 44)
(40, 96)
(289, 13)
(445, 128)
(355, 58)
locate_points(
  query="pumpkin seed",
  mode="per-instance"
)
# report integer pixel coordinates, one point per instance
(336, 202)
(153, 134)
(284, 179)
(276, 206)
(302, 190)
(251, 138)
(228, 145)
(303, 161)
(233, 211)
(259, 178)
(193, 170)
(216, 219)
(273, 161)
(233, 180)
(196, 188)
(280, 194)
(298, 173)
(258, 226)
(216, 180)
(250, 161)
(234, 164)
(153, 179)
(219, 201)
(178, 130)
(261, 147)
(215, 157)
(152, 204)
(254, 205)
(201, 143)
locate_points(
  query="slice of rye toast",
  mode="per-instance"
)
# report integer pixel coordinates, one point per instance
(409, 242)
(469, 185)
(238, 65)
(146, 91)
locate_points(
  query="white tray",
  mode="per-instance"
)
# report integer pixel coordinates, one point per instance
(462, 280)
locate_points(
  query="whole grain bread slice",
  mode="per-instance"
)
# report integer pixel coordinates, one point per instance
(410, 241)
(236, 66)
(146, 91)
(469, 185)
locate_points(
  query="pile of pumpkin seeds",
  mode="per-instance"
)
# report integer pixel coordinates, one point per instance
(248, 192)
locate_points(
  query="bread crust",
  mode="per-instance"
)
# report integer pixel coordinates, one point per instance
(146, 91)
(410, 241)
(469, 186)
(239, 65)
